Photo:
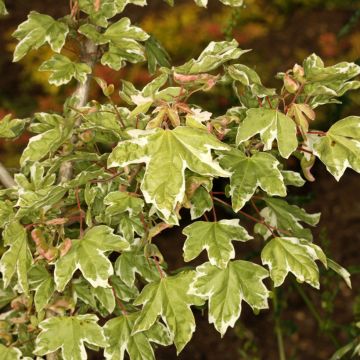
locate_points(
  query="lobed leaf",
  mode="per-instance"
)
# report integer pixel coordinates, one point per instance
(36, 31)
(226, 289)
(216, 238)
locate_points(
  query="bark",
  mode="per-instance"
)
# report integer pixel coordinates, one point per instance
(5, 177)
(82, 93)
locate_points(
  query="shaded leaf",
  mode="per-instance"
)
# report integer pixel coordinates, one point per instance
(270, 124)
(17, 259)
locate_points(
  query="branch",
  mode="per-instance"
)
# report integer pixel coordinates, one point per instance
(82, 93)
(5, 177)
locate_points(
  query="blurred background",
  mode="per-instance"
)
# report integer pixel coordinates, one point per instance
(280, 34)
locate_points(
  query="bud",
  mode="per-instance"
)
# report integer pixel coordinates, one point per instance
(299, 73)
(86, 136)
(290, 84)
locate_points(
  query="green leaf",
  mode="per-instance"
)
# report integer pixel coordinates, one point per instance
(123, 39)
(119, 202)
(11, 128)
(214, 55)
(3, 10)
(6, 212)
(63, 70)
(57, 132)
(9, 353)
(167, 153)
(289, 254)
(249, 173)
(169, 298)
(286, 218)
(69, 333)
(292, 178)
(42, 282)
(250, 78)
(6, 295)
(119, 335)
(270, 124)
(227, 288)
(87, 255)
(107, 10)
(131, 262)
(17, 259)
(323, 84)
(216, 238)
(156, 55)
(36, 31)
(340, 148)
(201, 202)
(333, 265)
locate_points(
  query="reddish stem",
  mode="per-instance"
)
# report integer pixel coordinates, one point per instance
(159, 269)
(317, 132)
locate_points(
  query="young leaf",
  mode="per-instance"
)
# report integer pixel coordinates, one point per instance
(36, 31)
(69, 333)
(156, 55)
(214, 55)
(289, 254)
(63, 70)
(3, 10)
(326, 83)
(292, 178)
(119, 202)
(11, 128)
(87, 255)
(58, 130)
(216, 238)
(118, 333)
(270, 124)
(227, 288)
(250, 78)
(123, 39)
(9, 353)
(42, 282)
(167, 153)
(201, 202)
(286, 218)
(340, 147)
(333, 265)
(18, 258)
(169, 298)
(249, 173)
(131, 262)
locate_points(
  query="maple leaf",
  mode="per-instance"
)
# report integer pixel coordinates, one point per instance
(169, 298)
(167, 153)
(227, 288)
(216, 238)
(69, 333)
(87, 255)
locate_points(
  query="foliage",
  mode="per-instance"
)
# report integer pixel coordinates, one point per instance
(98, 182)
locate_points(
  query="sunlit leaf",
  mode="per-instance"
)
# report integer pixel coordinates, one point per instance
(227, 288)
